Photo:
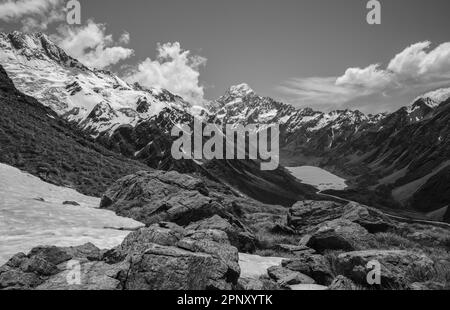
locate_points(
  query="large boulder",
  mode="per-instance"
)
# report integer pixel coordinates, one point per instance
(286, 277)
(305, 215)
(157, 196)
(237, 233)
(29, 271)
(340, 235)
(315, 266)
(154, 196)
(341, 283)
(397, 267)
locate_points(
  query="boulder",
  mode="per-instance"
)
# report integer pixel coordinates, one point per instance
(397, 266)
(340, 234)
(29, 271)
(427, 286)
(154, 196)
(261, 284)
(305, 215)
(341, 283)
(238, 235)
(315, 266)
(172, 268)
(286, 277)
(94, 275)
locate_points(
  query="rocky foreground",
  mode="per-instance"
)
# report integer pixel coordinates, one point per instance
(196, 230)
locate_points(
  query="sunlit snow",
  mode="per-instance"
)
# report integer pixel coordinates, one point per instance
(32, 214)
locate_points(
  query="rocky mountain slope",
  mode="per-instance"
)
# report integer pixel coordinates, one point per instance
(97, 100)
(37, 140)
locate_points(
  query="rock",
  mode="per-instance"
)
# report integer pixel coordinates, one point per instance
(163, 233)
(71, 203)
(159, 196)
(315, 266)
(155, 196)
(28, 271)
(340, 235)
(305, 215)
(396, 266)
(282, 229)
(238, 235)
(342, 283)
(93, 276)
(171, 268)
(16, 279)
(427, 286)
(286, 277)
(258, 285)
(216, 244)
(310, 213)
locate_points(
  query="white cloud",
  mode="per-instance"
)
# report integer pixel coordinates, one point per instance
(420, 63)
(91, 45)
(416, 67)
(125, 38)
(174, 69)
(32, 14)
(370, 77)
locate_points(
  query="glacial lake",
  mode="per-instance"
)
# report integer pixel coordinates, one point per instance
(317, 177)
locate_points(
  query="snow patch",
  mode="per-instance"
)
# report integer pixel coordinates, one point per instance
(32, 214)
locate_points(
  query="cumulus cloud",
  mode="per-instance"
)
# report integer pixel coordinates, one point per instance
(416, 67)
(174, 69)
(92, 46)
(32, 14)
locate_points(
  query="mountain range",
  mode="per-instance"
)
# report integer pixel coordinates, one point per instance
(398, 160)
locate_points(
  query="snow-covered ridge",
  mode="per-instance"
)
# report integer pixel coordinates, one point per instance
(435, 98)
(98, 100)
(242, 105)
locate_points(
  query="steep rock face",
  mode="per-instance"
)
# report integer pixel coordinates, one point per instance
(185, 260)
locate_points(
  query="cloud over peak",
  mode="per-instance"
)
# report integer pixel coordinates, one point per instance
(92, 46)
(32, 14)
(417, 66)
(174, 69)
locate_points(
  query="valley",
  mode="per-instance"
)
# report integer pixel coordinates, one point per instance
(87, 174)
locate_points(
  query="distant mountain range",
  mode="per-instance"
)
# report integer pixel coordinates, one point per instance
(399, 159)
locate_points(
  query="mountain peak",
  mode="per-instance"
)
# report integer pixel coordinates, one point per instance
(240, 90)
(37, 46)
(434, 98)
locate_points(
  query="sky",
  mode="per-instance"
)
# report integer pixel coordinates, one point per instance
(309, 53)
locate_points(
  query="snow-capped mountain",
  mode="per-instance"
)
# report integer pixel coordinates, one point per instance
(241, 105)
(98, 100)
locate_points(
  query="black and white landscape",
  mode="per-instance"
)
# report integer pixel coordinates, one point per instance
(87, 179)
